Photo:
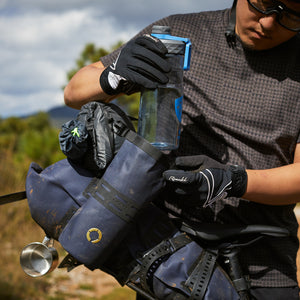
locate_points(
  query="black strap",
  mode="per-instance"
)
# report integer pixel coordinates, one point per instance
(152, 259)
(201, 274)
(69, 262)
(141, 293)
(113, 200)
(9, 198)
(120, 128)
(240, 281)
(64, 221)
(241, 284)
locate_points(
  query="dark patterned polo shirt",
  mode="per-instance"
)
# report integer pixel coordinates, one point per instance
(242, 107)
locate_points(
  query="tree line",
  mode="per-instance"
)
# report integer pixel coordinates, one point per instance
(23, 140)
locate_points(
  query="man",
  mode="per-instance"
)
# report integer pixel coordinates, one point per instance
(241, 108)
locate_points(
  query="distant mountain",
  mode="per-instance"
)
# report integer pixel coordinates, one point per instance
(61, 114)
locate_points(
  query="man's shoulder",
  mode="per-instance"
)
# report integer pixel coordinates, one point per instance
(198, 16)
(199, 21)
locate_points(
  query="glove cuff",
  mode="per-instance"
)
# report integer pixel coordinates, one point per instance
(103, 80)
(123, 85)
(239, 181)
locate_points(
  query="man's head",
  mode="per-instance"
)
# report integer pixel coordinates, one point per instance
(263, 24)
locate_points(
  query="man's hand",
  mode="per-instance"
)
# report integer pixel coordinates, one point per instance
(141, 63)
(201, 180)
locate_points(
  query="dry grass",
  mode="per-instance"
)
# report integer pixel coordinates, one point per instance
(17, 230)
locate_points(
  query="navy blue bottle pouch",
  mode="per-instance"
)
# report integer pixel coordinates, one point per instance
(89, 216)
(130, 182)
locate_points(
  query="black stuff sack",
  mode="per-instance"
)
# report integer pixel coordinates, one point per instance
(95, 137)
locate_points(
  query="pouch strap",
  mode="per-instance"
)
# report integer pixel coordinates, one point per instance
(69, 262)
(152, 259)
(120, 205)
(198, 281)
(141, 143)
(120, 128)
(9, 198)
(64, 221)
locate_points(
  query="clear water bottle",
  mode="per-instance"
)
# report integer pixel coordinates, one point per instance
(161, 108)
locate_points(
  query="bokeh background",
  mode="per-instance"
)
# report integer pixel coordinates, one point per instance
(40, 41)
(42, 44)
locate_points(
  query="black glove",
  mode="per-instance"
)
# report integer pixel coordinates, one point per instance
(140, 64)
(205, 181)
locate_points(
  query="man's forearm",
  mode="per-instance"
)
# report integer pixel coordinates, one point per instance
(276, 186)
(141, 63)
(85, 87)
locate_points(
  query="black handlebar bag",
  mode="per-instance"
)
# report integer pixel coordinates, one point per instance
(110, 222)
(95, 136)
(138, 244)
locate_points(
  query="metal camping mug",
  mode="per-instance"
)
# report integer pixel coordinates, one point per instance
(38, 259)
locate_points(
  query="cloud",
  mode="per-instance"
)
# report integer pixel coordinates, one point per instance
(25, 104)
(39, 48)
(139, 13)
(40, 41)
(144, 14)
(50, 32)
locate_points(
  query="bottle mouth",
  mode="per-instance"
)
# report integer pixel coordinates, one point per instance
(158, 29)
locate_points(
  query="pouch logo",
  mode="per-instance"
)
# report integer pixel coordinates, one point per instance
(94, 235)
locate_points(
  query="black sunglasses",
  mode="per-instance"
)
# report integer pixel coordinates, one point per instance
(286, 17)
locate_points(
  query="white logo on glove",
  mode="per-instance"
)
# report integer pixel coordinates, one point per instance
(114, 80)
(174, 179)
(114, 64)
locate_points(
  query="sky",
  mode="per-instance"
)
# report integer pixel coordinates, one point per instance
(40, 41)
